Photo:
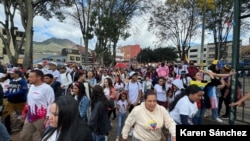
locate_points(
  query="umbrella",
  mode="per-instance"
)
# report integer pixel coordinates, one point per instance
(121, 65)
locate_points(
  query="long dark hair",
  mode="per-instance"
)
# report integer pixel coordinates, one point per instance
(163, 86)
(68, 119)
(79, 74)
(212, 67)
(191, 89)
(81, 88)
(98, 95)
(110, 83)
(119, 80)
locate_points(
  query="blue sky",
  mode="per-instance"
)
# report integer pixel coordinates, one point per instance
(44, 29)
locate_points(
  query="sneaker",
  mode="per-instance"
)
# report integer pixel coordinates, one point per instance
(218, 120)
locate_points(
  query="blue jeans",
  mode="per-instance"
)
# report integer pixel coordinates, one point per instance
(121, 120)
(4, 135)
(197, 120)
(98, 137)
(215, 113)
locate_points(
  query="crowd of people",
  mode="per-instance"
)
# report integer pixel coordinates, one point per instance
(63, 103)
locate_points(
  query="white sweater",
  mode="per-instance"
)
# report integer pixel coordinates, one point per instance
(148, 125)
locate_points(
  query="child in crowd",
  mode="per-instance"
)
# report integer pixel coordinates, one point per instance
(122, 107)
(148, 84)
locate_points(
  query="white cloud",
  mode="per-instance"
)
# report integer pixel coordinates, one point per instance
(139, 33)
(53, 28)
(44, 29)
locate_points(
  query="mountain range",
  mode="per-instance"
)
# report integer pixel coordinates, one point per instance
(52, 45)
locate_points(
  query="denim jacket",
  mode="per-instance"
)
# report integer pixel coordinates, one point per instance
(83, 107)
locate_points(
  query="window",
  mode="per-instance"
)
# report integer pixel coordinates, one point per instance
(4, 50)
(21, 51)
(193, 56)
(211, 49)
(74, 51)
(78, 58)
(211, 55)
(72, 58)
(193, 50)
(69, 51)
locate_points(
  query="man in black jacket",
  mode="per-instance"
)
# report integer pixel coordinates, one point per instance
(48, 78)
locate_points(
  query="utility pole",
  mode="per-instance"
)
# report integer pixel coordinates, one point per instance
(204, 9)
(235, 58)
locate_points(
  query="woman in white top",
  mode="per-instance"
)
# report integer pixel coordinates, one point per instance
(65, 123)
(118, 84)
(161, 92)
(110, 93)
(148, 119)
(184, 107)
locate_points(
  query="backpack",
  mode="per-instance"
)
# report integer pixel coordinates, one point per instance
(136, 83)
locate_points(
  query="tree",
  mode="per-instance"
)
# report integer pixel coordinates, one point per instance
(157, 55)
(31, 8)
(145, 55)
(112, 20)
(175, 21)
(10, 30)
(219, 21)
(120, 15)
(165, 54)
(83, 16)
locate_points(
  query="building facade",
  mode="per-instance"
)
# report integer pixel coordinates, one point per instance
(119, 55)
(77, 55)
(245, 53)
(130, 52)
(3, 52)
(225, 52)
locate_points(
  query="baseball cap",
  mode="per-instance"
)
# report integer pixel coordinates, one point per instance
(53, 63)
(132, 73)
(40, 63)
(14, 70)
